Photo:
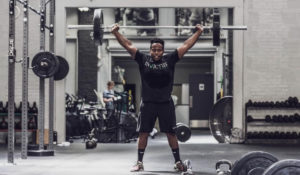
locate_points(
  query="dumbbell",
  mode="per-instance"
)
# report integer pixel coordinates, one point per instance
(268, 118)
(249, 103)
(286, 118)
(292, 119)
(274, 118)
(297, 117)
(280, 118)
(276, 135)
(32, 123)
(249, 118)
(266, 135)
(3, 123)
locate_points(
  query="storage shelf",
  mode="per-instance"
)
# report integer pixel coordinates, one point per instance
(18, 130)
(17, 114)
(272, 108)
(273, 141)
(261, 123)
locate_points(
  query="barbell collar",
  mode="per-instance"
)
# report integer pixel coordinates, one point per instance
(90, 27)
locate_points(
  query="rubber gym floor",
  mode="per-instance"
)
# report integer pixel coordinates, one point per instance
(118, 158)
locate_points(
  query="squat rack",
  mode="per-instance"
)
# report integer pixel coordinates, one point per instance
(41, 151)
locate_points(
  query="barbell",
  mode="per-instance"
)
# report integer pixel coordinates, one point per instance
(258, 163)
(99, 29)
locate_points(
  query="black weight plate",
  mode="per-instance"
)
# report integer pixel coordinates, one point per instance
(256, 171)
(182, 132)
(253, 160)
(216, 30)
(63, 69)
(45, 64)
(220, 119)
(284, 167)
(98, 27)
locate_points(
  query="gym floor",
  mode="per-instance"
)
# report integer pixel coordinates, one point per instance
(117, 159)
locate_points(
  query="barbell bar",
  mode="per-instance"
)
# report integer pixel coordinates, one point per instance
(99, 29)
(90, 27)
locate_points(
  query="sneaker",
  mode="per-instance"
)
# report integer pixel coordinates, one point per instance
(179, 166)
(138, 167)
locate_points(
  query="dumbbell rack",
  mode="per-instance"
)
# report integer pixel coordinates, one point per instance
(19, 115)
(282, 129)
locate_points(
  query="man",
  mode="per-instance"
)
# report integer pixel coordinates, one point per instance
(157, 74)
(108, 98)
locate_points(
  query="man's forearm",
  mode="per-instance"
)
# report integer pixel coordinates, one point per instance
(122, 40)
(193, 39)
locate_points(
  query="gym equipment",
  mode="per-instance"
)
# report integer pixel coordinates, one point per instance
(252, 163)
(223, 167)
(45, 64)
(32, 123)
(183, 132)
(256, 171)
(3, 123)
(63, 69)
(284, 167)
(99, 28)
(252, 160)
(220, 119)
(187, 168)
(91, 144)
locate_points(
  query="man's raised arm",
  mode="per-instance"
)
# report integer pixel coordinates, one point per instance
(131, 49)
(189, 42)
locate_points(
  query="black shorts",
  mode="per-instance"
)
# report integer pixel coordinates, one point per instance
(149, 112)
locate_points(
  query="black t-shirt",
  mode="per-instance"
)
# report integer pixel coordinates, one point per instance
(157, 76)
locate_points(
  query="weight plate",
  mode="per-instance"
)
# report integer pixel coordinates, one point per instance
(63, 69)
(252, 160)
(98, 27)
(183, 132)
(284, 167)
(45, 64)
(216, 30)
(220, 119)
(256, 171)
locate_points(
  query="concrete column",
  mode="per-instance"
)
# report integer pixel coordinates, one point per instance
(166, 17)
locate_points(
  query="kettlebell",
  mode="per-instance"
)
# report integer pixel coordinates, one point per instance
(91, 143)
(224, 171)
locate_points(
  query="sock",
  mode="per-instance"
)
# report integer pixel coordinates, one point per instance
(176, 154)
(141, 154)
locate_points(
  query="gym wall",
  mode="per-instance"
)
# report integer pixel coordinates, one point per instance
(271, 52)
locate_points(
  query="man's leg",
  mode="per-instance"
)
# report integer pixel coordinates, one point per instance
(142, 144)
(173, 143)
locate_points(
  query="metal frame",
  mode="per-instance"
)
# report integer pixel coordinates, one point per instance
(25, 63)
(11, 83)
(51, 79)
(25, 83)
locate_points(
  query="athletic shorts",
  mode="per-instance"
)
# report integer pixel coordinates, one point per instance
(150, 111)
